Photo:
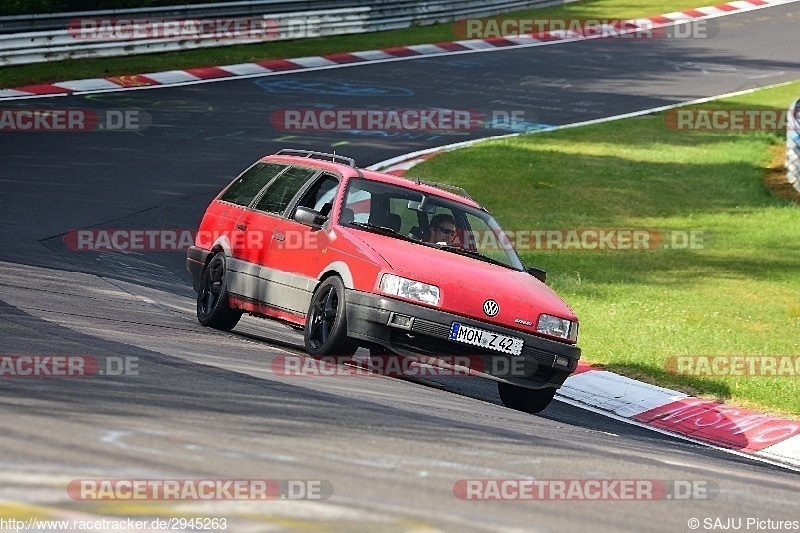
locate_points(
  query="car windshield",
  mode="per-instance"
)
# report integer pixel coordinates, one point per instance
(429, 220)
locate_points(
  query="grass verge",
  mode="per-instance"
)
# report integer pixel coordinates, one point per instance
(736, 294)
(17, 76)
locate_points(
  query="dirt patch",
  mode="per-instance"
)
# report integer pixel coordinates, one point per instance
(775, 178)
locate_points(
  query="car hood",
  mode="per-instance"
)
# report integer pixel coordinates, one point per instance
(466, 283)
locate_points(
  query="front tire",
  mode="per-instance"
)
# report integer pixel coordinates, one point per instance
(326, 321)
(526, 400)
(213, 307)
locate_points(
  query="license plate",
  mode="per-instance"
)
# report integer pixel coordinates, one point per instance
(485, 339)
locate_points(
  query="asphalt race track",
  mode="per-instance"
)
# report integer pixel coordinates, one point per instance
(198, 403)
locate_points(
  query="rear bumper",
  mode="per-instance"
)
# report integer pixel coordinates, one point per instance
(196, 259)
(368, 319)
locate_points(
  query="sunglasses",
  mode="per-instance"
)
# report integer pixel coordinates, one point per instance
(445, 231)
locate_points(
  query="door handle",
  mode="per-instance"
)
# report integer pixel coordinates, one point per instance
(241, 226)
(279, 237)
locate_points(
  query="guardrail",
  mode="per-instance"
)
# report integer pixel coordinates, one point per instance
(793, 146)
(281, 18)
(59, 21)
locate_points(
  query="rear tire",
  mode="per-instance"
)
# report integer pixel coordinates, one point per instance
(326, 321)
(213, 307)
(526, 400)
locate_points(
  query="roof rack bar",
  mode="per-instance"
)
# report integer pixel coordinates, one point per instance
(455, 189)
(318, 155)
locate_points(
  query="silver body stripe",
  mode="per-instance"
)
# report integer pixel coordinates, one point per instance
(274, 287)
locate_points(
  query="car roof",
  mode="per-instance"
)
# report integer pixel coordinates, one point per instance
(349, 170)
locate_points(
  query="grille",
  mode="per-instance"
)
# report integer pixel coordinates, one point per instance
(432, 329)
(543, 357)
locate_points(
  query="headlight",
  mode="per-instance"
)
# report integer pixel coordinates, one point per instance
(557, 327)
(408, 288)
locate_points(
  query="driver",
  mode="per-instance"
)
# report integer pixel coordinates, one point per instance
(443, 229)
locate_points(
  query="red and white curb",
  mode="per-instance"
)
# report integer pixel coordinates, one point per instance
(399, 53)
(720, 425)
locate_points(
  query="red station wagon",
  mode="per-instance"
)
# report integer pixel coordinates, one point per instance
(396, 265)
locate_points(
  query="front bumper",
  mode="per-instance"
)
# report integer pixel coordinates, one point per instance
(368, 319)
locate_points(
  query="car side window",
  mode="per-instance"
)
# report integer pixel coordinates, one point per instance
(319, 196)
(245, 187)
(281, 191)
(357, 205)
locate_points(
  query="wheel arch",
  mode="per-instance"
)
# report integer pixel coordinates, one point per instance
(221, 245)
(337, 268)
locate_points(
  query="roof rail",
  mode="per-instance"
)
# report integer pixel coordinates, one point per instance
(318, 155)
(455, 189)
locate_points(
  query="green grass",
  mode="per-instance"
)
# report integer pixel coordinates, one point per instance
(739, 295)
(104, 67)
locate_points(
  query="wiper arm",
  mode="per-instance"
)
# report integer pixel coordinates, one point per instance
(382, 229)
(473, 253)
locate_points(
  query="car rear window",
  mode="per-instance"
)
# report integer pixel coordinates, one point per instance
(244, 189)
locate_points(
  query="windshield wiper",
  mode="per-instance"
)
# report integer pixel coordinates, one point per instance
(476, 255)
(383, 229)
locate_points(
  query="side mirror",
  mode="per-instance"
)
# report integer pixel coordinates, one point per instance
(537, 273)
(309, 217)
